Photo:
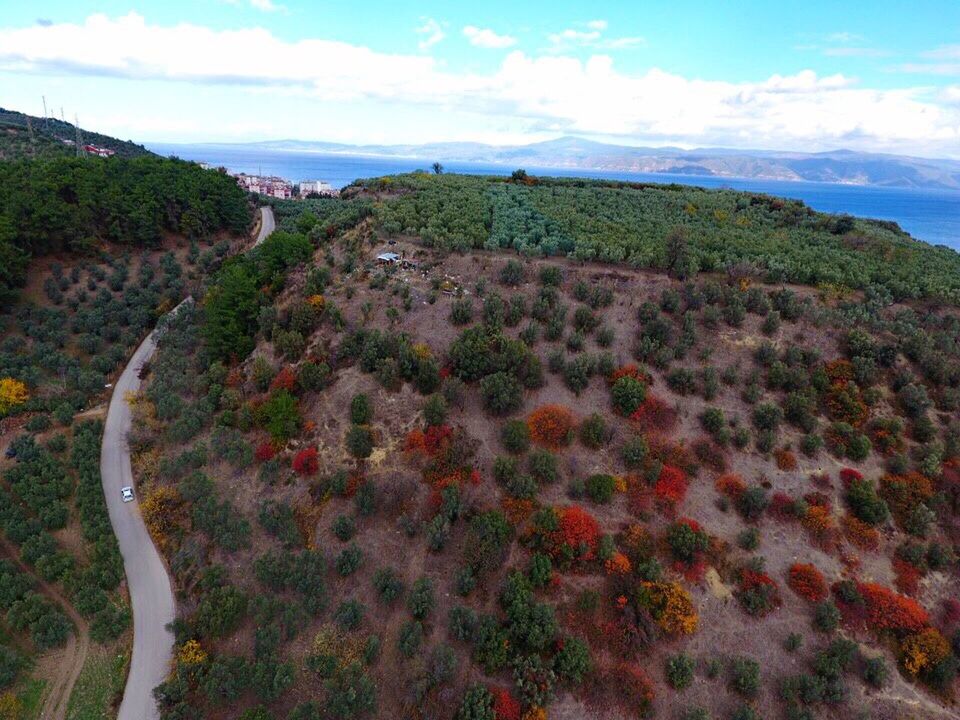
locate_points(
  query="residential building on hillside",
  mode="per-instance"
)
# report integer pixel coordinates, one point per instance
(266, 185)
(316, 187)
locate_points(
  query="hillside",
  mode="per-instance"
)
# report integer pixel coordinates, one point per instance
(492, 484)
(75, 205)
(840, 166)
(48, 136)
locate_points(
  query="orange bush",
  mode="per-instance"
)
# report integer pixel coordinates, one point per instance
(516, 510)
(904, 492)
(551, 426)
(731, 485)
(923, 651)
(618, 564)
(807, 582)
(839, 370)
(786, 460)
(860, 534)
(286, 379)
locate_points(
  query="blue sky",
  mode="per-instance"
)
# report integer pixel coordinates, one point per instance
(816, 75)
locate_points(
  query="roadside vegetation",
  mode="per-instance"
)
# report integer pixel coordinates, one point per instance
(92, 253)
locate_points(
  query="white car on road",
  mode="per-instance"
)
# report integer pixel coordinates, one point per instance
(126, 493)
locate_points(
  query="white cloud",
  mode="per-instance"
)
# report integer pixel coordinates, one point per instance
(264, 5)
(855, 52)
(843, 37)
(944, 52)
(433, 32)
(486, 38)
(551, 93)
(591, 37)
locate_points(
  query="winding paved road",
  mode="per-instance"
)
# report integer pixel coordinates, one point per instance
(151, 595)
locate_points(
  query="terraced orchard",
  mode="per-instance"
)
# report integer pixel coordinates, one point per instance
(480, 484)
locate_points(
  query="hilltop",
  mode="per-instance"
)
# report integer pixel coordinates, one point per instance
(49, 136)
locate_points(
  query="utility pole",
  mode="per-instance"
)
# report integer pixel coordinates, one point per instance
(46, 125)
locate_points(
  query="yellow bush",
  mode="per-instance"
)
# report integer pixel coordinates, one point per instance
(191, 653)
(317, 301)
(535, 713)
(923, 651)
(10, 707)
(13, 393)
(672, 607)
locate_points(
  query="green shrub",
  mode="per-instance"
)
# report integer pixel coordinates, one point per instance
(600, 487)
(515, 436)
(344, 527)
(359, 441)
(388, 584)
(679, 671)
(421, 600)
(628, 393)
(594, 432)
(361, 411)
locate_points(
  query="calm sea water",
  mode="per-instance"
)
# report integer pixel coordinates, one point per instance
(930, 215)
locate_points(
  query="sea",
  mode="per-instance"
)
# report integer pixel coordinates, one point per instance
(927, 214)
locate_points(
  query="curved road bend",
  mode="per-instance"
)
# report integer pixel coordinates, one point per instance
(151, 595)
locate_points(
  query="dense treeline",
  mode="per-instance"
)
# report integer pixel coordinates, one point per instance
(678, 228)
(76, 203)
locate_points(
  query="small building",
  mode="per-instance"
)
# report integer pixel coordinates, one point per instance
(388, 258)
(98, 151)
(316, 187)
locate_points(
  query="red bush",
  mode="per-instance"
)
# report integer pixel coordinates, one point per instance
(758, 592)
(906, 577)
(505, 706)
(436, 438)
(630, 370)
(886, 610)
(654, 414)
(848, 475)
(305, 462)
(635, 686)
(551, 426)
(782, 507)
(265, 451)
(577, 534)
(671, 488)
(286, 379)
(807, 582)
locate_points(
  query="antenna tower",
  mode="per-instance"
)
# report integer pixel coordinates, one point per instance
(46, 124)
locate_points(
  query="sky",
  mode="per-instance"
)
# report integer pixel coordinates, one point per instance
(873, 75)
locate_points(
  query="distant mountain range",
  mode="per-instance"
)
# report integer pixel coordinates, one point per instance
(839, 166)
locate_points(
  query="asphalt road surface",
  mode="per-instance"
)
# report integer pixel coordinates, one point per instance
(151, 595)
